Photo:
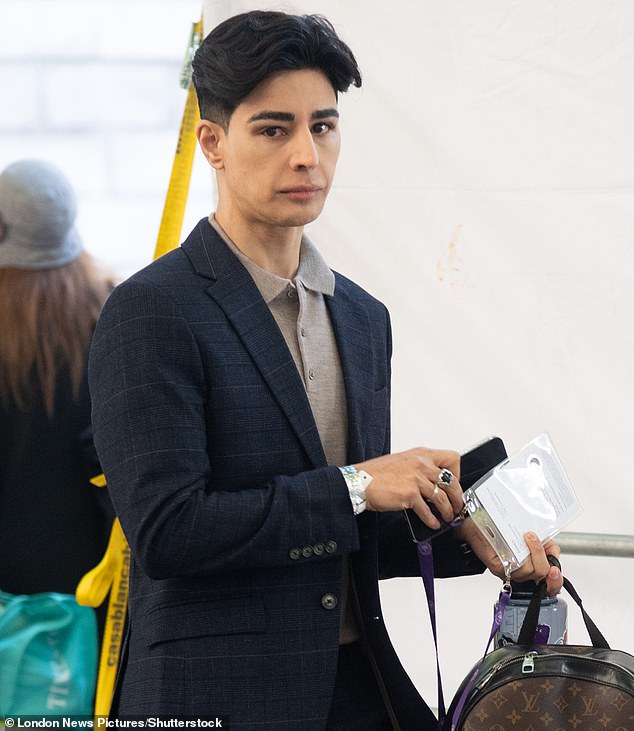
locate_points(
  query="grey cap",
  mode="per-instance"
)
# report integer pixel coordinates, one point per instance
(37, 216)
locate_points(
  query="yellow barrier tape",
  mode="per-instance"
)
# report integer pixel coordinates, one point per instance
(113, 637)
(112, 572)
(176, 198)
(95, 585)
(110, 575)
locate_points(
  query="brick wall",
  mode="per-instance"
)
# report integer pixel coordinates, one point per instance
(94, 88)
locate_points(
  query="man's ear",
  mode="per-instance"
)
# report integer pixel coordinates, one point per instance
(211, 137)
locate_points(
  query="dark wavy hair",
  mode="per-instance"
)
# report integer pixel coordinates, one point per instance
(246, 49)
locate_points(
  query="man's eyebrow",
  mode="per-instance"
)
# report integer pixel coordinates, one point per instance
(325, 114)
(275, 116)
(288, 117)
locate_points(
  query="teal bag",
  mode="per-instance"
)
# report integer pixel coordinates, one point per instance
(48, 655)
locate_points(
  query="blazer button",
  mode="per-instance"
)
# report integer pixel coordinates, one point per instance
(307, 551)
(294, 554)
(329, 601)
(319, 549)
(331, 546)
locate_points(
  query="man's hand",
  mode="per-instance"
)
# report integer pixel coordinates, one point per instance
(536, 566)
(408, 480)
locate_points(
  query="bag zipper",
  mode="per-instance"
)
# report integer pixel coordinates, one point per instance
(528, 665)
(526, 660)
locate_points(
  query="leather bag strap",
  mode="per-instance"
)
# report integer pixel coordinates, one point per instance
(529, 626)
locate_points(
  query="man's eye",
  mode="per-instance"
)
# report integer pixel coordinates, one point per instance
(272, 131)
(322, 127)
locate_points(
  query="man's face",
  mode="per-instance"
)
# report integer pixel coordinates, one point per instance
(277, 159)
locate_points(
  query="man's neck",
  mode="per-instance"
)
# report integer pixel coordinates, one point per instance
(274, 249)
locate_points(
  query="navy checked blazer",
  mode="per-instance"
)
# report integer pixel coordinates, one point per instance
(236, 523)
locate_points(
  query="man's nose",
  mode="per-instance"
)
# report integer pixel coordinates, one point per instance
(304, 153)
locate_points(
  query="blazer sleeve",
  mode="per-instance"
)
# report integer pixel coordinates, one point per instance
(151, 403)
(398, 555)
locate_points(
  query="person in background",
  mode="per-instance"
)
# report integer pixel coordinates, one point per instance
(54, 524)
(241, 406)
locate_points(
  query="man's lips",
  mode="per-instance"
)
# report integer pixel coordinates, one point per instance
(302, 192)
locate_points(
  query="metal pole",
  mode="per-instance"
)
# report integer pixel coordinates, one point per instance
(596, 544)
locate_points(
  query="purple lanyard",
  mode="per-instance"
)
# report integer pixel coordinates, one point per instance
(426, 562)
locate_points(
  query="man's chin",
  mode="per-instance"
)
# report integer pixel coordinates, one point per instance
(301, 216)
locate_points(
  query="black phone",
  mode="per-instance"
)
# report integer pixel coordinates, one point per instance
(474, 464)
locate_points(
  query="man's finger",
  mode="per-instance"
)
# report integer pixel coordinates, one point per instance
(541, 567)
(421, 509)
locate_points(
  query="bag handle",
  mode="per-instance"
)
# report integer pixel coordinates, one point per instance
(529, 625)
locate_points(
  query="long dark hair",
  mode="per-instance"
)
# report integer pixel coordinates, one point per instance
(47, 317)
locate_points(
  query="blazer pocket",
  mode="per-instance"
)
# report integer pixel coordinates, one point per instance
(205, 618)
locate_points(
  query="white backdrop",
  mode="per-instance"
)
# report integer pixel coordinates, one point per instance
(486, 194)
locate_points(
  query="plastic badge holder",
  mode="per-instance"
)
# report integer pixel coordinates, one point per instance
(529, 491)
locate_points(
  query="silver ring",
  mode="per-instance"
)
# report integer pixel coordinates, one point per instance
(445, 478)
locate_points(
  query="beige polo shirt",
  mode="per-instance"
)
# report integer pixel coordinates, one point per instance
(300, 311)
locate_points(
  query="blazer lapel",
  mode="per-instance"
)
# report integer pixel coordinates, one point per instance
(352, 331)
(235, 292)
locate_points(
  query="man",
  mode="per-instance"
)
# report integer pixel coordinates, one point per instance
(241, 413)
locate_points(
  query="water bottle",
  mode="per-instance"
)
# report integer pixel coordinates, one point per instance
(552, 626)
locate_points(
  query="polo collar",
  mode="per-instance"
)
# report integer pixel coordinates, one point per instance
(313, 273)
